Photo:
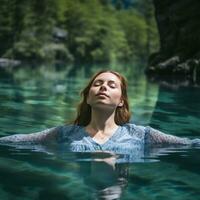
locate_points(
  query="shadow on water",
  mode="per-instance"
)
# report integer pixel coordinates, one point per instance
(177, 112)
(177, 108)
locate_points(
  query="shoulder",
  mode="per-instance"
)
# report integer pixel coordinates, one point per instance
(68, 128)
(136, 130)
(134, 127)
(67, 131)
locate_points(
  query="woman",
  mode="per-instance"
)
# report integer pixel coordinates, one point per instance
(102, 122)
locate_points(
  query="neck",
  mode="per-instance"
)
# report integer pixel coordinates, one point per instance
(102, 120)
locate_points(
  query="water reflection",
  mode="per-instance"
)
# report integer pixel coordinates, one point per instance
(43, 98)
(32, 101)
(65, 175)
(177, 110)
(105, 177)
(53, 172)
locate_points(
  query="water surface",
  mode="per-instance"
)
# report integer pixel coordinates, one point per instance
(31, 101)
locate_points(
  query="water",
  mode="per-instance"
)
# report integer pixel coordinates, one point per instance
(32, 101)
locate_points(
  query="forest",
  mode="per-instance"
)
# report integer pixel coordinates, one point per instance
(77, 31)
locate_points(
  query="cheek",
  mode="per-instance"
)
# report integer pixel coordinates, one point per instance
(89, 97)
(91, 92)
(117, 96)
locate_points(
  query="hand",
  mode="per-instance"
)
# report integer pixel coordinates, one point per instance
(196, 142)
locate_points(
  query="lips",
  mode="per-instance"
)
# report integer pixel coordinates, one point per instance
(102, 94)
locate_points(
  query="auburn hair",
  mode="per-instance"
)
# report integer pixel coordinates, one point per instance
(122, 114)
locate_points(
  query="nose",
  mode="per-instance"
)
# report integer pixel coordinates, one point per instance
(103, 87)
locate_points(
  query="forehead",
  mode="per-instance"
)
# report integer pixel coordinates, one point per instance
(108, 76)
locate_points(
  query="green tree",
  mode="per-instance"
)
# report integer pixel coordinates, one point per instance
(134, 27)
(146, 8)
(35, 41)
(94, 32)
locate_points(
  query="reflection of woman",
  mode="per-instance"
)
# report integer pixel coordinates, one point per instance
(102, 122)
(108, 181)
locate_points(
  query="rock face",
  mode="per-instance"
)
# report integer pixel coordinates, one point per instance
(179, 28)
(8, 63)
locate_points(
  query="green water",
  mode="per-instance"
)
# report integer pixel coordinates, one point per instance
(31, 101)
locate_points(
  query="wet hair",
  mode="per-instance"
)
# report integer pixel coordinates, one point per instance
(122, 114)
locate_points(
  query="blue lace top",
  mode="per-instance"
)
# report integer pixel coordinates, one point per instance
(122, 141)
(129, 139)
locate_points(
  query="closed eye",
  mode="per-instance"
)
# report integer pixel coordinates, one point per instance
(112, 84)
(97, 83)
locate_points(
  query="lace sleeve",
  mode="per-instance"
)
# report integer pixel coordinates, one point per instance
(45, 136)
(154, 136)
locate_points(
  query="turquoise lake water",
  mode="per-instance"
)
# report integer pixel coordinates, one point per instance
(31, 101)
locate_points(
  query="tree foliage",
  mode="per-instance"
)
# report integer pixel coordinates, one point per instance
(95, 30)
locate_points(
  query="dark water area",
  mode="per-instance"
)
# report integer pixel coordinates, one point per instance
(31, 101)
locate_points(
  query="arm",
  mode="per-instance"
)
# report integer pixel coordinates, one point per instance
(42, 137)
(154, 136)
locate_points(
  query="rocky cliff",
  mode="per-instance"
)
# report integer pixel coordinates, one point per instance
(179, 28)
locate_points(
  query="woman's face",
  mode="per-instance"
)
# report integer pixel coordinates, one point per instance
(105, 91)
